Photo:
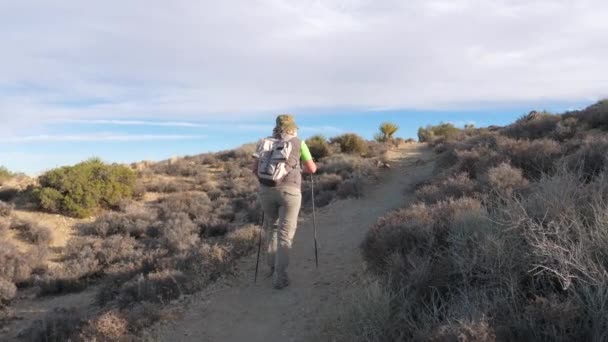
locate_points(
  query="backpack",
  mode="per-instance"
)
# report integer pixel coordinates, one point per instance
(273, 155)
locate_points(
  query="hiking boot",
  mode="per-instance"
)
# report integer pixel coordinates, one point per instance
(280, 284)
(280, 280)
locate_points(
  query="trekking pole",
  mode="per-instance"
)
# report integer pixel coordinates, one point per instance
(314, 219)
(257, 263)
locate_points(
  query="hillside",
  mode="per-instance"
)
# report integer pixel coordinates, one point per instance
(140, 237)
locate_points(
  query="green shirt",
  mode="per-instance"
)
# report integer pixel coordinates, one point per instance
(305, 152)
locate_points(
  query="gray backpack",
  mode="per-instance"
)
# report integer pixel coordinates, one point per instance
(273, 155)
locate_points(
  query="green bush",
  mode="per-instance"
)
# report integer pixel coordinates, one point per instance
(318, 146)
(351, 143)
(81, 189)
(443, 130)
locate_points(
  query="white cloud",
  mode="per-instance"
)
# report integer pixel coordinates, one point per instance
(97, 138)
(136, 123)
(190, 60)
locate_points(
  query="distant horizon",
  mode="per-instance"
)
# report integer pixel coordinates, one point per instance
(67, 142)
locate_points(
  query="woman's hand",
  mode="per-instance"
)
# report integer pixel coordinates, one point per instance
(310, 166)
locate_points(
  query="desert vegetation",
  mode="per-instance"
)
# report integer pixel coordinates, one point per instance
(387, 132)
(81, 189)
(157, 232)
(507, 242)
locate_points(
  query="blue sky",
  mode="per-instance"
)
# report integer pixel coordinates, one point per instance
(150, 79)
(71, 141)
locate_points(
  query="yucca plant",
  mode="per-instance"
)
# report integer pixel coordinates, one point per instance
(387, 131)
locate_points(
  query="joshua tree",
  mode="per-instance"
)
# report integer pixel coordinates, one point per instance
(387, 131)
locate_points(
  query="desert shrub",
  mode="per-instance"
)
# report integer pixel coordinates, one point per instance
(431, 134)
(195, 205)
(352, 187)
(8, 194)
(5, 225)
(156, 287)
(459, 185)
(351, 143)
(318, 146)
(133, 221)
(8, 290)
(476, 162)
(505, 179)
(5, 209)
(33, 232)
(346, 166)
(590, 156)
(566, 129)
(178, 233)
(5, 174)
(243, 240)
(595, 116)
(535, 125)
(377, 150)
(80, 189)
(61, 324)
(533, 157)
(142, 315)
(15, 266)
(167, 186)
(111, 325)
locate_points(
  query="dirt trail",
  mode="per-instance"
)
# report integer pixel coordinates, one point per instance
(236, 310)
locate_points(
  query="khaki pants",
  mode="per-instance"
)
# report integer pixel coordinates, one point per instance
(281, 208)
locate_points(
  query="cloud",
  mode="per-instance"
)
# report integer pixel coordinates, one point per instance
(219, 60)
(108, 137)
(136, 123)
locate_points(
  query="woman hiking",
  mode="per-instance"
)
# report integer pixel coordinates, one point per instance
(279, 162)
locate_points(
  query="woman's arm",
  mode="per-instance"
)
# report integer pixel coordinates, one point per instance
(309, 166)
(307, 163)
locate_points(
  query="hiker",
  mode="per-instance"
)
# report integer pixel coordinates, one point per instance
(278, 165)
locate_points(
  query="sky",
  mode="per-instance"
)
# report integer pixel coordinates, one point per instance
(147, 80)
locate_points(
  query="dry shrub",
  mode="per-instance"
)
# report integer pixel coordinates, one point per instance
(133, 221)
(351, 143)
(533, 126)
(352, 187)
(456, 186)
(594, 116)
(205, 262)
(5, 225)
(533, 157)
(15, 266)
(243, 240)
(178, 233)
(469, 331)
(8, 290)
(109, 326)
(168, 185)
(157, 287)
(59, 325)
(318, 146)
(143, 315)
(194, 204)
(590, 156)
(33, 232)
(5, 209)
(505, 179)
(476, 162)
